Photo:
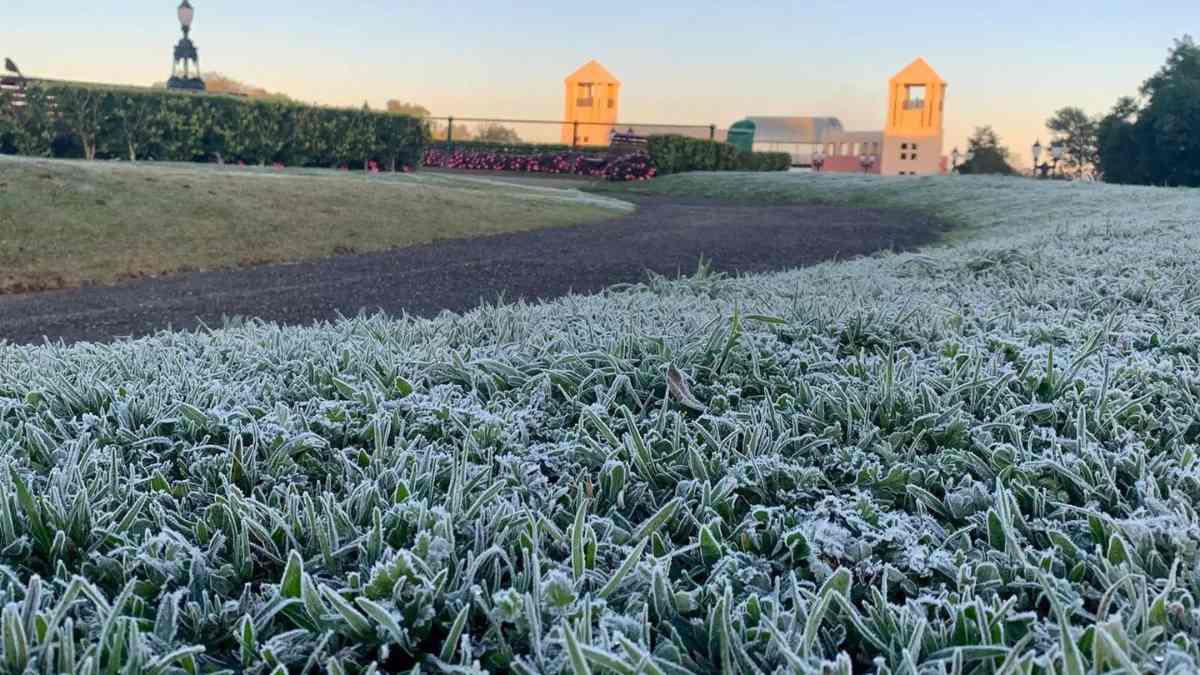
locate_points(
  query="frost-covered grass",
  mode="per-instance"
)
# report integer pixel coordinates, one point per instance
(982, 206)
(979, 458)
(67, 223)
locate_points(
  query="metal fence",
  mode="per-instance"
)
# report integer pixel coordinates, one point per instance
(13, 89)
(578, 135)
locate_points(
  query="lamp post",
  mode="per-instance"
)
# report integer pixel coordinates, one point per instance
(1056, 154)
(186, 54)
(818, 160)
(866, 162)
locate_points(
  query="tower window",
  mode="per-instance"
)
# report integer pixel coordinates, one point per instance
(904, 146)
(914, 96)
(584, 96)
(914, 156)
(904, 155)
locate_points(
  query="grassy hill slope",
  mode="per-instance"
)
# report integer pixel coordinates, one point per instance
(68, 223)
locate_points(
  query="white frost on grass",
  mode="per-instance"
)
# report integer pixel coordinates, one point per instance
(901, 461)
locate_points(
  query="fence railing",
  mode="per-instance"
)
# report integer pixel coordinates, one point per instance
(575, 134)
(13, 88)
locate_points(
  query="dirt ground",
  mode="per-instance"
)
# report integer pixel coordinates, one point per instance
(666, 236)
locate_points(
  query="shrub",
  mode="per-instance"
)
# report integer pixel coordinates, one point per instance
(631, 167)
(520, 148)
(636, 166)
(680, 154)
(66, 119)
(8, 125)
(766, 161)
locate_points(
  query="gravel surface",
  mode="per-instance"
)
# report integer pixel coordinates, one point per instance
(667, 236)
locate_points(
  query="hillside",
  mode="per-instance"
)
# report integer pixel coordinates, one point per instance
(65, 223)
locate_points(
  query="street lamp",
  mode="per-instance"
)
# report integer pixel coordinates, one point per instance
(186, 14)
(186, 54)
(818, 160)
(1056, 154)
(866, 162)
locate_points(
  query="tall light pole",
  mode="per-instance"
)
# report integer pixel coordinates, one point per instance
(186, 54)
(1056, 153)
(1037, 155)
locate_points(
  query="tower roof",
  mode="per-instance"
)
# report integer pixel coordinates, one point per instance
(592, 71)
(918, 71)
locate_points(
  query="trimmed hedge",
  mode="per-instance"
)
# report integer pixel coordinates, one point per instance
(79, 120)
(766, 161)
(680, 154)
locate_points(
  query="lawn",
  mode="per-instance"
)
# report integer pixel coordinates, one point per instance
(66, 223)
(977, 206)
(977, 458)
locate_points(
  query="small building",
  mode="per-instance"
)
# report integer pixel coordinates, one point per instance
(912, 138)
(592, 103)
(800, 137)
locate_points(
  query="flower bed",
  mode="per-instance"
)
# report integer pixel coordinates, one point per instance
(631, 167)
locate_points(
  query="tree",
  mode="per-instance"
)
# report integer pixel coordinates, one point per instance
(493, 132)
(1172, 117)
(987, 155)
(404, 108)
(1158, 141)
(1076, 132)
(32, 126)
(138, 125)
(1117, 153)
(80, 111)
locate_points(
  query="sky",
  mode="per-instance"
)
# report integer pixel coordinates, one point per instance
(1008, 64)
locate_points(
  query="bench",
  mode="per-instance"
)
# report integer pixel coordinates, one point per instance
(626, 143)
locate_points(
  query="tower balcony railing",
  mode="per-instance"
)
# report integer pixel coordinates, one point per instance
(916, 104)
(584, 102)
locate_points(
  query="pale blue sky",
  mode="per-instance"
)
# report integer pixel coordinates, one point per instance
(1009, 64)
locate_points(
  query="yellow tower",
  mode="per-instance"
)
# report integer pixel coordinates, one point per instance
(592, 101)
(913, 132)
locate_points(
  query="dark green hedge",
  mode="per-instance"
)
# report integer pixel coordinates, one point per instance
(74, 120)
(766, 161)
(678, 154)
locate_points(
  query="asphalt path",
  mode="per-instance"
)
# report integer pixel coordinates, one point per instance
(666, 236)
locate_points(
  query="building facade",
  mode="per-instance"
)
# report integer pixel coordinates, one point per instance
(592, 104)
(800, 137)
(911, 141)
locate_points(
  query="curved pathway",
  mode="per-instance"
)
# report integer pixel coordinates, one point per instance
(665, 236)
